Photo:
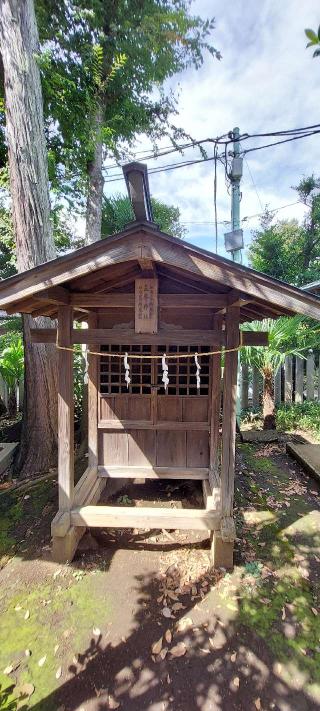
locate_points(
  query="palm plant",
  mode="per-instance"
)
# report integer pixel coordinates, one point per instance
(11, 369)
(287, 337)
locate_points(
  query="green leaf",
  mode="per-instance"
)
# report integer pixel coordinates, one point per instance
(312, 36)
(316, 53)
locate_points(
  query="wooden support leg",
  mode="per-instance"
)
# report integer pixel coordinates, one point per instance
(64, 548)
(221, 551)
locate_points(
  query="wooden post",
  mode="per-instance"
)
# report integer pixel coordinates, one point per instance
(228, 440)
(215, 406)
(288, 379)
(310, 375)
(65, 409)
(244, 386)
(277, 387)
(319, 381)
(298, 396)
(255, 387)
(93, 385)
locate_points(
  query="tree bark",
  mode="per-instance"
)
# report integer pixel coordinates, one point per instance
(269, 419)
(95, 182)
(29, 189)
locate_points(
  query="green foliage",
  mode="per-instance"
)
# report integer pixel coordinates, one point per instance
(287, 336)
(304, 416)
(117, 212)
(117, 56)
(287, 250)
(12, 361)
(314, 39)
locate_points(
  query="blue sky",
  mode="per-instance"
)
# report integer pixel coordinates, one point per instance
(265, 81)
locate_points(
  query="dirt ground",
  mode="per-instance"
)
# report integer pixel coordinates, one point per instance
(140, 622)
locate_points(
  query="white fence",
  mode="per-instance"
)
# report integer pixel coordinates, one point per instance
(296, 381)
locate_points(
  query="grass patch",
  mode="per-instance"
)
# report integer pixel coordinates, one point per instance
(304, 416)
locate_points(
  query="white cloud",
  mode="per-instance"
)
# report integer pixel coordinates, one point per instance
(265, 81)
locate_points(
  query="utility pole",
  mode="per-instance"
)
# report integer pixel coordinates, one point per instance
(234, 239)
(236, 174)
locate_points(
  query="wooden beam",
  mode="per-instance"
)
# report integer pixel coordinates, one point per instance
(215, 402)
(229, 412)
(93, 389)
(118, 472)
(167, 337)
(55, 295)
(122, 336)
(167, 301)
(65, 410)
(145, 517)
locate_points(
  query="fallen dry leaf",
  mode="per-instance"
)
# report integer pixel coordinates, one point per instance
(27, 615)
(157, 646)
(18, 608)
(112, 703)
(236, 682)
(96, 632)
(58, 672)
(8, 669)
(28, 652)
(168, 636)
(163, 653)
(178, 606)
(179, 650)
(233, 656)
(257, 704)
(166, 612)
(315, 612)
(56, 649)
(42, 661)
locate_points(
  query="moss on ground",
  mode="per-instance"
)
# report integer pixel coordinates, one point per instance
(58, 615)
(282, 608)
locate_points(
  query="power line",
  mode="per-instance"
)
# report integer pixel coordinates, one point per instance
(244, 219)
(253, 183)
(221, 157)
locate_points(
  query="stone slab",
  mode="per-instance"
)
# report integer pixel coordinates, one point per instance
(308, 455)
(7, 450)
(259, 435)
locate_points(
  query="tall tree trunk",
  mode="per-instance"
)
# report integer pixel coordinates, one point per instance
(12, 402)
(269, 419)
(95, 182)
(29, 189)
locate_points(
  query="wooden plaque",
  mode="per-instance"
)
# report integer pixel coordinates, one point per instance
(146, 305)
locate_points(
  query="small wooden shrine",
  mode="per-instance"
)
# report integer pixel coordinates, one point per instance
(159, 311)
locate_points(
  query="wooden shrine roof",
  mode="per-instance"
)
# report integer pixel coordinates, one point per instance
(109, 267)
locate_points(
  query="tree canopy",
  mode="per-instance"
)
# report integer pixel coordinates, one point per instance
(287, 250)
(117, 212)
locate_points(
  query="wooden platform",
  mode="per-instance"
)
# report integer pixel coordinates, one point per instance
(145, 517)
(132, 472)
(308, 455)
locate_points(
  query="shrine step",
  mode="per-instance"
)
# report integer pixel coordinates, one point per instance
(145, 517)
(117, 472)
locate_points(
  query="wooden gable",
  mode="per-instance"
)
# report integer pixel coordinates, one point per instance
(102, 276)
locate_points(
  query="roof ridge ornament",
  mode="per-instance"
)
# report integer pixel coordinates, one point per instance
(137, 182)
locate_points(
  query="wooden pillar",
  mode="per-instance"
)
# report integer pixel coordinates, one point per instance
(288, 380)
(255, 387)
(298, 395)
(319, 381)
(244, 386)
(277, 387)
(65, 409)
(229, 433)
(93, 387)
(215, 406)
(310, 375)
